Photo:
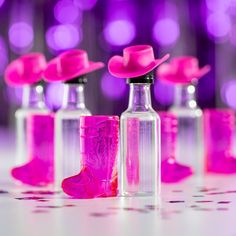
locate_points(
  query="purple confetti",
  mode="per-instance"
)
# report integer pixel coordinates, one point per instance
(3, 192)
(40, 211)
(42, 200)
(177, 201)
(202, 209)
(216, 193)
(222, 209)
(99, 214)
(223, 202)
(204, 189)
(231, 191)
(177, 191)
(128, 208)
(151, 207)
(204, 201)
(41, 192)
(69, 205)
(50, 206)
(29, 198)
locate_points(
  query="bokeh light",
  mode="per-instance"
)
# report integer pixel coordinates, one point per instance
(120, 32)
(164, 93)
(14, 94)
(85, 4)
(63, 37)
(66, 12)
(166, 31)
(113, 88)
(218, 24)
(54, 95)
(228, 93)
(21, 35)
(1, 2)
(3, 56)
(218, 5)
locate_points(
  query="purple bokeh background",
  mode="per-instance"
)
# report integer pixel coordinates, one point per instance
(204, 28)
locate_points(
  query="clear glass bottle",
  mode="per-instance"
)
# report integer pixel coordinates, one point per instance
(140, 142)
(32, 103)
(67, 125)
(189, 140)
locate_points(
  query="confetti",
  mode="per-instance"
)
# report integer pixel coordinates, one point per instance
(29, 198)
(99, 214)
(41, 192)
(50, 206)
(3, 192)
(176, 201)
(40, 211)
(204, 201)
(223, 202)
(222, 209)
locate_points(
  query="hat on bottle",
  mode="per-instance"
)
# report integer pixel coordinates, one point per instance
(182, 70)
(69, 65)
(136, 61)
(27, 69)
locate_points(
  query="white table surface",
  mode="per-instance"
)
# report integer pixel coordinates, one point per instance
(180, 212)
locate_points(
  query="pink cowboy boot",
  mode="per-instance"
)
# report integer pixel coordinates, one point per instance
(171, 171)
(39, 170)
(218, 137)
(99, 149)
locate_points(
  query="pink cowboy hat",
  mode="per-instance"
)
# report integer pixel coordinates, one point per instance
(136, 61)
(182, 70)
(69, 65)
(25, 70)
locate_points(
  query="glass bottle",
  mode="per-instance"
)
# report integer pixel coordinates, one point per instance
(67, 125)
(140, 142)
(32, 103)
(189, 140)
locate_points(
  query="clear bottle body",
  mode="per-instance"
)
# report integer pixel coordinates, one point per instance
(189, 149)
(67, 133)
(139, 165)
(32, 103)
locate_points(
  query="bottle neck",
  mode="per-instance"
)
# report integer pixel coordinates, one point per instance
(140, 97)
(33, 97)
(73, 97)
(185, 96)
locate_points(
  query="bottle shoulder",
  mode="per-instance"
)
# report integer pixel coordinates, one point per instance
(142, 115)
(27, 111)
(182, 111)
(70, 114)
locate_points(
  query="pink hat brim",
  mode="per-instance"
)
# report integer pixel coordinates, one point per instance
(51, 74)
(116, 67)
(166, 73)
(14, 78)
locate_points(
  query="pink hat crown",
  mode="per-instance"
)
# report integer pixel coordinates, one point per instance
(69, 65)
(27, 69)
(136, 61)
(71, 61)
(33, 63)
(182, 70)
(135, 56)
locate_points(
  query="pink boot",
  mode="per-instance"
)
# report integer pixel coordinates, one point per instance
(39, 170)
(218, 137)
(99, 148)
(171, 171)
